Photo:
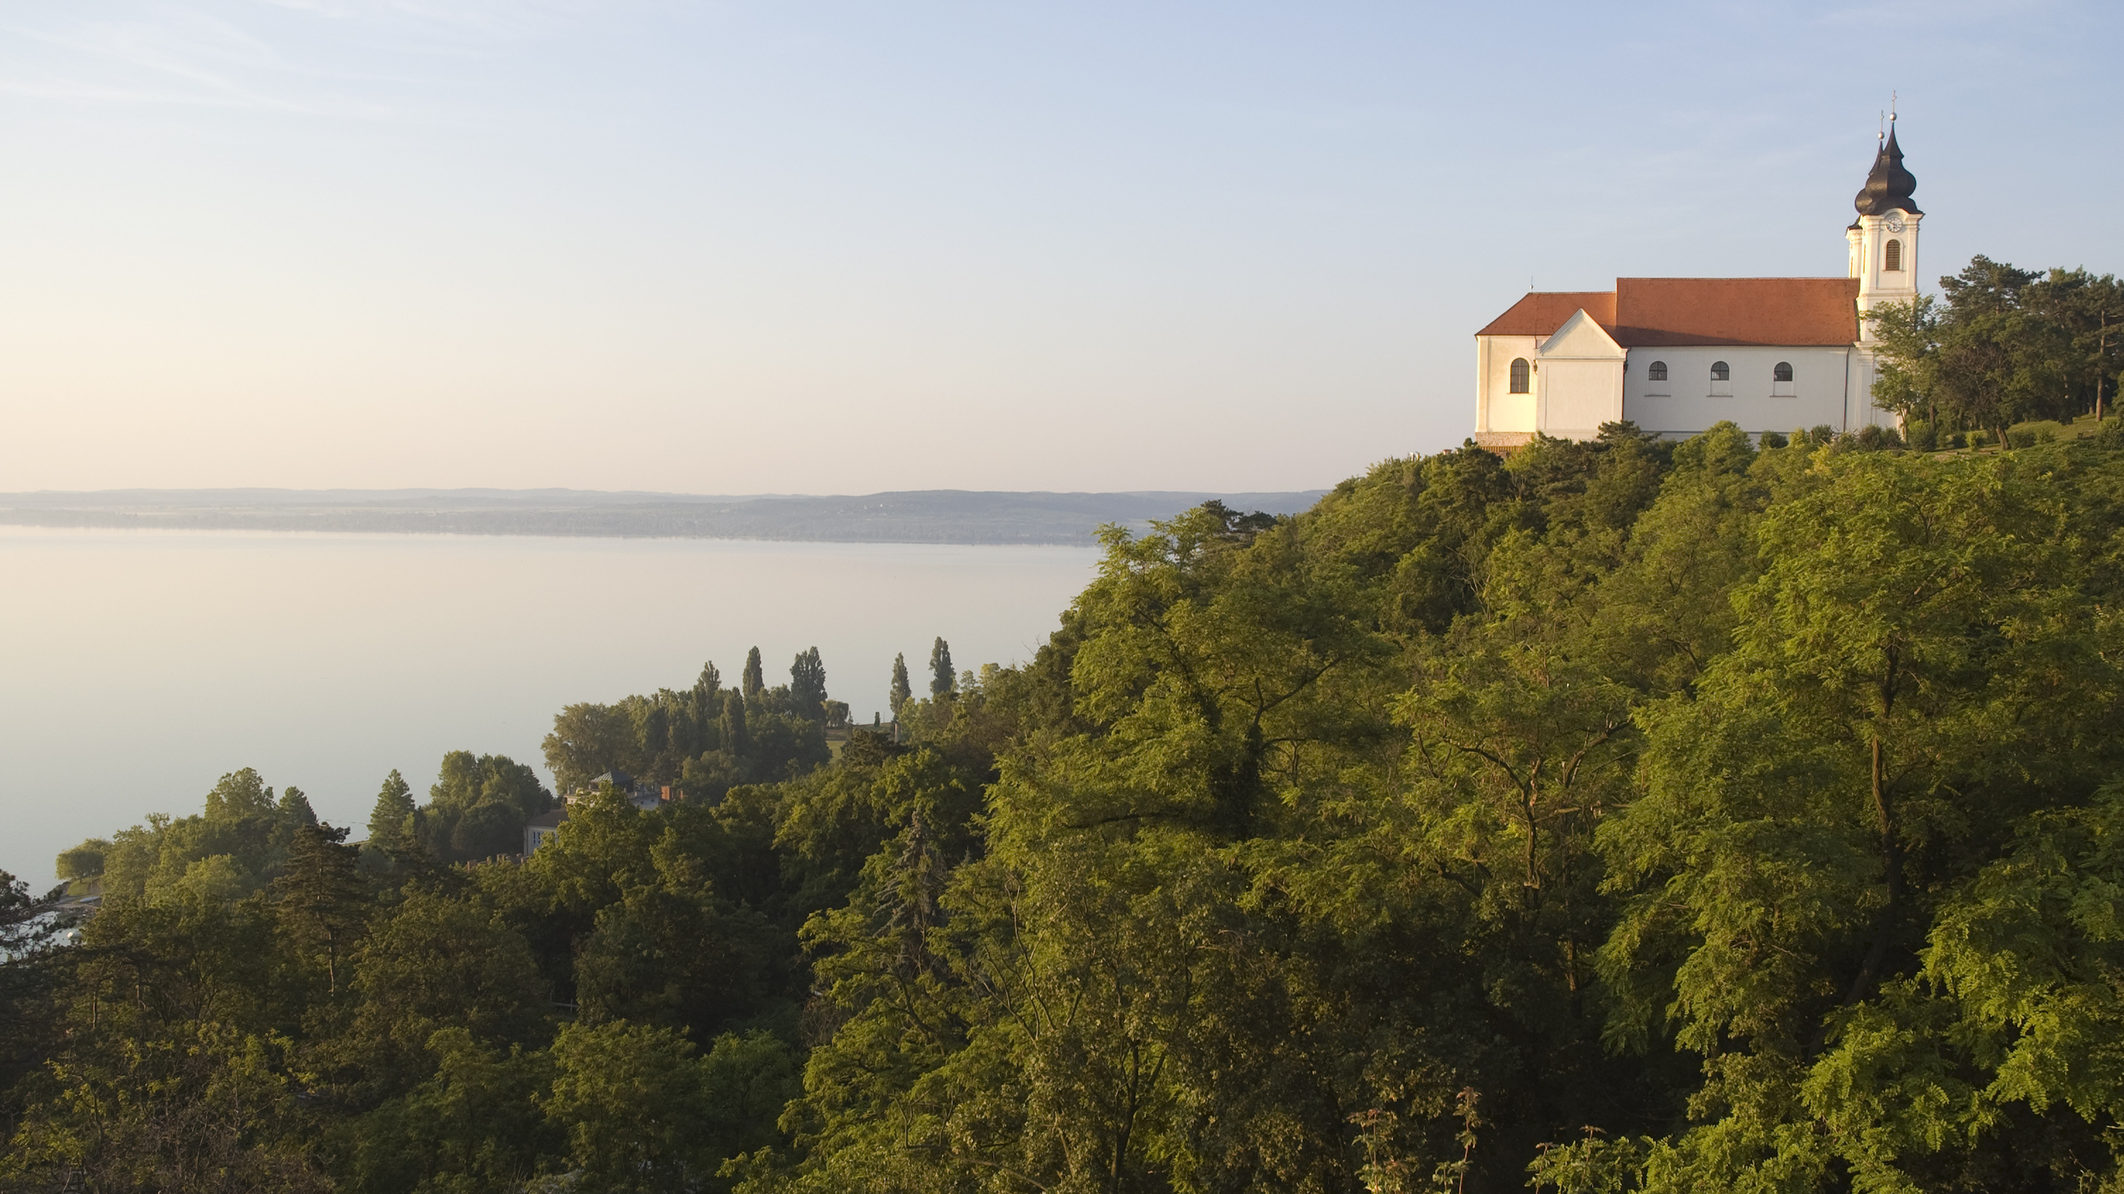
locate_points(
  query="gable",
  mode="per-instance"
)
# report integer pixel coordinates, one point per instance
(1581, 337)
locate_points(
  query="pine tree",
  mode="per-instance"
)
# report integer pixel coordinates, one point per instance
(321, 896)
(755, 679)
(943, 681)
(902, 691)
(393, 812)
(295, 807)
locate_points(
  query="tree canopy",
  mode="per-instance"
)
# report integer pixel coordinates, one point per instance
(1618, 816)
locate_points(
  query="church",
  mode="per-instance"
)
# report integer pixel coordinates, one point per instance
(1675, 355)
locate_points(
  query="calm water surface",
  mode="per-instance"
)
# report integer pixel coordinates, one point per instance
(138, 666)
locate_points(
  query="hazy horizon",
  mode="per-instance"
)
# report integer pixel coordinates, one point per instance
(163, 659)
(845, 249)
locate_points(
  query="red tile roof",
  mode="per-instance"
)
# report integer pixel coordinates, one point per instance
(1540, 313)
(1649, 312)
(1780, 311)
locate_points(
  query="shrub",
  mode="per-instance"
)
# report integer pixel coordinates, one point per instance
(1772, 439)
(2033, 432)
(1978, 437)
(1957, 441)
(1922, 435)
(1823, 433)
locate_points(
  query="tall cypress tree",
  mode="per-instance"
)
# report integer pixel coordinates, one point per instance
(902, 691)
(736, 740)
(943, 681)
(755, 679)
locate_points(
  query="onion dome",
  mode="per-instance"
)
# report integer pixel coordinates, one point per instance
(1888, 188)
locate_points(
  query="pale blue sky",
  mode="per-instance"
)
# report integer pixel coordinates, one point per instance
(843, 247)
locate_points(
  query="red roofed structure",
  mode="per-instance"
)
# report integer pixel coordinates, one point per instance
(1677, 355)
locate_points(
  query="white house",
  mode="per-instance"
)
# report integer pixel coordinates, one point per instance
(1675, 355)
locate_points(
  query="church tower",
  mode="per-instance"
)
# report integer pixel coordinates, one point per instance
(1884, 238)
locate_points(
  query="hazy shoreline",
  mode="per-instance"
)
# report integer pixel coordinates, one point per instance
(977, 518)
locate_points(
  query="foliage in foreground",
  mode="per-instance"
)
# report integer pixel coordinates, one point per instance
(1620, 817)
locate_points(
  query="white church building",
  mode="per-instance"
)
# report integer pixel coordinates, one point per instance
(1675, 355)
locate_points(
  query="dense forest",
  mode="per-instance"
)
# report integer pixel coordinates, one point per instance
(1617, 816)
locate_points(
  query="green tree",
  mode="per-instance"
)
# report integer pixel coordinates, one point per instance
(439, 962)
(391, 819)
(478, 805)
(587, 741)
(194, 1106)
(638, 1103)
(901, 690)
(807, 685)
(942, 679)
(736, 735)
(755, 677)
(238, 795)
(1910, 674)
(322, 899)
(473, 1124)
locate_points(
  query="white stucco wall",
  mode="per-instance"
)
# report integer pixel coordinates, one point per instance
(1497, 408)
(1685, 405)
(1577, 396)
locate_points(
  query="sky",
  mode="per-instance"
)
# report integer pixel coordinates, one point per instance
(801, 247)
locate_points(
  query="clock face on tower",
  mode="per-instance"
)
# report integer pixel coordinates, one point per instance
(1895, 223)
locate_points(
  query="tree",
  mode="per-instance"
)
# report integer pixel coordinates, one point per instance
(237, 795)
(643, 1111)
(294, 808)
(901, 689)
(478, 805)
(737, 736)
(1909, 338)
(322, 900)
(390, 821)
(2090, 312)
(436, 962)
(1910, 675)
(588, 740)
(190, 1106)
(29, 974)
(755, 678)
(807, 685)
(942, 679)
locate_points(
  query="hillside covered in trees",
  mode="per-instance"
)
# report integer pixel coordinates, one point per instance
(1621, 816)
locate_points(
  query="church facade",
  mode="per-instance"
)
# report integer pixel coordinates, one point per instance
(1676, 355)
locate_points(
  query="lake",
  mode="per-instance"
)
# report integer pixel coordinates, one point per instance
(138, 666)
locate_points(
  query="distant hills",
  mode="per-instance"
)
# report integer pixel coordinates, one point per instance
(914, 516)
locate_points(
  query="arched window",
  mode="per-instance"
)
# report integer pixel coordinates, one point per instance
(1719, 371)
(1656, 371)
(1892, 257)
(1520, 378)
(1783, 372)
